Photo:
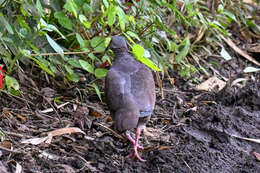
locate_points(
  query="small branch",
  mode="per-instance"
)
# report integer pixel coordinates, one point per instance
(65, 53)
(145, 29)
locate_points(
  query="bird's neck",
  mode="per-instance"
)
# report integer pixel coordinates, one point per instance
(120, 55)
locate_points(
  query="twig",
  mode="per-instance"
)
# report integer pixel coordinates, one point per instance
(12, 151)
(238, 50)
(19, 98)
(112, 131)
(65, 53)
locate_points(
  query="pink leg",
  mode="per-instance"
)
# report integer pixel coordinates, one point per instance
(136, 145)
(132, 141)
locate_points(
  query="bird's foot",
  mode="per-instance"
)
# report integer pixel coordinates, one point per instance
(132, 141)
(135, 154)
(135, 145)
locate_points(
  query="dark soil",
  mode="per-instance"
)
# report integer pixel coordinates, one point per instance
(193, 131)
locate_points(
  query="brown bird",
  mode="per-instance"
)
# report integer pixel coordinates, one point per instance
(130, 93)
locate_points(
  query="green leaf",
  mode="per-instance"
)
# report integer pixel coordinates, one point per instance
(225, 54)
(54, 45)
(73, 7)
(68, 69)
(111, 16)
(39, 6)
(138, 50)
(86, 66)
(105, 2)
(98, 43)
(53, 68)
(73, 77)
(6, 24)
(107, 41)
(63, 20)
(23, 23)
(42, 66)
(121, 17)
(251, 69)
(97, 91)
(132, 34)
(149, 63)
(11, 83)
(84, 21)
(81, 41)
(74, 63)
(87, 9)
(100, 72)
(185, 47)
(122, 24)
(230, 15)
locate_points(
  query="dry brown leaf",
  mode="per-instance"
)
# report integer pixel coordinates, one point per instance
(109, 119)
(159, 82)
(172, 81)
(165, 122)
(96, 114)
(62, 131)
(257, 155)
(211, 84)
(34, 141)
(249, 2)
(80, 117)
(163, 147)
(6, 144)
(255, 48)
(200, 34)
(238, 50)
(48, 139)
(190, 104)
(7, 113)
(22, 118)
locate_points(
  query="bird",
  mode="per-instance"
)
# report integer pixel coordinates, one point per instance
(129, 93)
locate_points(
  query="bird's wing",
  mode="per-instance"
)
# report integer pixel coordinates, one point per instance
(115, 88)
(143, 88)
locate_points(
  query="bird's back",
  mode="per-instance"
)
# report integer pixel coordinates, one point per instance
(130, 82)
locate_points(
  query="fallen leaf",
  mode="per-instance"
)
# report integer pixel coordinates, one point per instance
(34, 141)
(80, 117)
(48, 139)
(211, 84)
(96, 114)
(22, 118)
(200, 34)
(165, 147)
(6, 144)
(62, 131)
(238, 50)
(254, 49)
(257, 155)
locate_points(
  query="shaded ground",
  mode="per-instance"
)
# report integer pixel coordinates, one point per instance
(193, 131)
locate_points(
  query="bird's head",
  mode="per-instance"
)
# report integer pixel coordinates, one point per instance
(118, 43)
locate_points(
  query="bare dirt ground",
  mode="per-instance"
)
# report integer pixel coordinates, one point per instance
(192, 131)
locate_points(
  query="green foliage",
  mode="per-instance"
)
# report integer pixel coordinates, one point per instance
(75, 34)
